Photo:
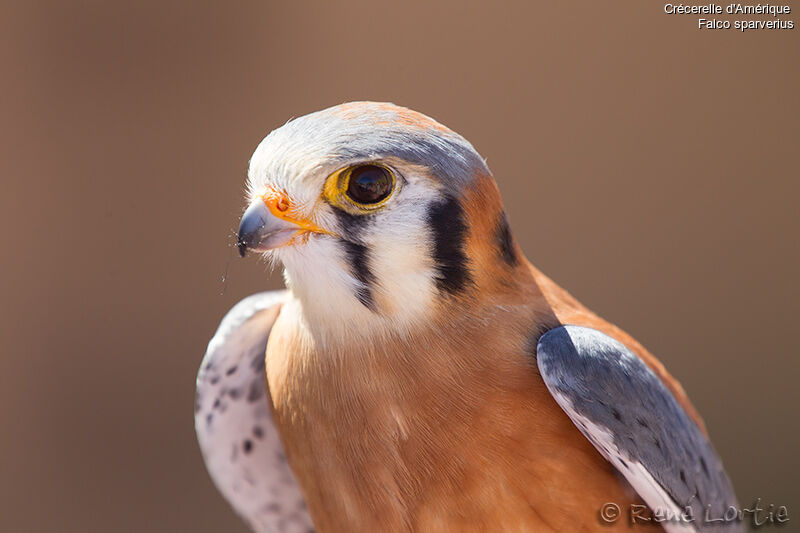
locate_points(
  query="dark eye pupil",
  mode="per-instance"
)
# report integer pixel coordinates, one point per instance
(369, 184)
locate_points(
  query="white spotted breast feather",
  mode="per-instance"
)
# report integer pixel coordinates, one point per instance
(234, 424)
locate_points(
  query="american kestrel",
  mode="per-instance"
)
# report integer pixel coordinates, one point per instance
(419, 374)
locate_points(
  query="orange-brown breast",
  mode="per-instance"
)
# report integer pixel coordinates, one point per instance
(451, 429)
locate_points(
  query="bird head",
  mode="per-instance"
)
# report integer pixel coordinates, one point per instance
(377, 212)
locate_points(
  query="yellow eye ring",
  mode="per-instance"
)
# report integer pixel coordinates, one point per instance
(360, 188)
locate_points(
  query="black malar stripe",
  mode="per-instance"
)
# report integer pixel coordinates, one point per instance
(358, 257)
(449, 228)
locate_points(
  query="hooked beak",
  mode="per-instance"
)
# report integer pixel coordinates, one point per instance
(270, 222)
(260, 230)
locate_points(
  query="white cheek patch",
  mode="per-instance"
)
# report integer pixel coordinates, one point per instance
(400, 255)
(404, 273)
(320, 276)
(317, 272)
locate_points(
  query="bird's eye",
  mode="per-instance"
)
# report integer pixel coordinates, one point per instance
(369, 184)
(360, 188)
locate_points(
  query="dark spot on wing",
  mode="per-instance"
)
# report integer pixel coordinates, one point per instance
(258, 360)
(358, 256)
(256, 390)
(704, 466)
(616, 414)
(446, 219)
(505, 241)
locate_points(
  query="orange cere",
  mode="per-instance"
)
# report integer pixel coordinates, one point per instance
(281, 206)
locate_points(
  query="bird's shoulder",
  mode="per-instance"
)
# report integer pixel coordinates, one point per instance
(563, 308)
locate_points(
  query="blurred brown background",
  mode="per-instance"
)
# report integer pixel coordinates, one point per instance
(649, 167)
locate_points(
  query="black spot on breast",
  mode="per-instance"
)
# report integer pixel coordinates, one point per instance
(358, 256)
(247, 446)
(504, 241)
(231, 370)
(446, 219)
(258, 360)
(258, 432)
(235, 394)
(256, 390)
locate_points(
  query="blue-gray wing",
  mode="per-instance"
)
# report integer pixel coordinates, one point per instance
(636, 423)
(234, 424)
